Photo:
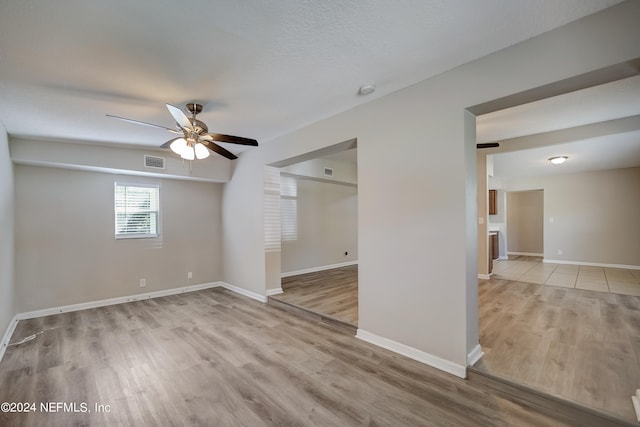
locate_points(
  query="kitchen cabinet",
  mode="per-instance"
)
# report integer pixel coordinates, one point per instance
(495, 249)
(493, 202)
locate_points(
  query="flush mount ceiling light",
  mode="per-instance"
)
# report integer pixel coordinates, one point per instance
(558, 160)
(366, 90)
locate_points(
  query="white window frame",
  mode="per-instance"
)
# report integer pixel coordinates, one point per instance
(152, 210)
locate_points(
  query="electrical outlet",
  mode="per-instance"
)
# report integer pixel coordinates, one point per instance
(559, 251)
(190, 275)
(143, 283)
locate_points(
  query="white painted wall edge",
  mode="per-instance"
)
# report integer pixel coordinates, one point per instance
(274, 291)
(592, 264)
(321, 268)
(474, 355)
(413, 353)
(113, 301)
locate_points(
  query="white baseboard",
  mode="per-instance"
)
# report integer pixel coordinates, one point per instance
(6, 338)
(113, 301)
(315, 269)
(274, 291)
(503, 257)
(413, 353)
(484, 276)
(474, 355)
(592, 264)
(244, 292)
(118, 300)
(525, 253)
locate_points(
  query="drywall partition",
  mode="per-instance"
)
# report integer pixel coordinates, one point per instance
(590, 217)
(7, 307)
(66, 251)
(326, 226)
(417, 233)
(525, 217)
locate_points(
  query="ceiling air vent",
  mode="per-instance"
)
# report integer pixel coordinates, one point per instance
(328, 172)
(154, 162)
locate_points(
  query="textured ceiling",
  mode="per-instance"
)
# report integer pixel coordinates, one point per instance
(261, 68)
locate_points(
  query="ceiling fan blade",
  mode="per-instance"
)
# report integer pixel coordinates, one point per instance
(218, 149)
(180, 117)
(229, 138)
(488, 145)
(138, 122)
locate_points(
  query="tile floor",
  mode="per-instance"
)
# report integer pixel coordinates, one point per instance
(601, 279)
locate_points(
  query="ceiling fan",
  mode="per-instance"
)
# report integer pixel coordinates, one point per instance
(194, 141)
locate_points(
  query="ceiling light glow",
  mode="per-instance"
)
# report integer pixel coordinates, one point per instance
(558, 160)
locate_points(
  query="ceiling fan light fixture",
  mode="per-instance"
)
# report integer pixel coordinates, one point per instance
(178, 146)
(188, 153)
(201, 151)
(558, 160)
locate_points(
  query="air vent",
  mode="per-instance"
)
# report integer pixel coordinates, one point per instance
(154, 162)
(328, 172)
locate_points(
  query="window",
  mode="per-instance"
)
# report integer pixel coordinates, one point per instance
(137, 210)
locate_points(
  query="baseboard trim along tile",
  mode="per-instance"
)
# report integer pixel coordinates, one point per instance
(413, 353)
(484, 276)
(592, 264)
(316, 269)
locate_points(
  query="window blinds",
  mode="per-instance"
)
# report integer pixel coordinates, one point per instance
(136, 210)
(271, 204)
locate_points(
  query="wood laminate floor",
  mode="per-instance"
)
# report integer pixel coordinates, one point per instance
(579, 345)
(333, 293)
(213, 358)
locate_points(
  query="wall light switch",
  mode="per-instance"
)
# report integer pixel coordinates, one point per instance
(143, 283)
(481, 220)
(190, 275)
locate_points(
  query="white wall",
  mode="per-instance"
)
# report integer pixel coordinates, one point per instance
(525, 216)
(327, 226)
(595, 216)
(417, 233)
(66, 252)
(7, 306)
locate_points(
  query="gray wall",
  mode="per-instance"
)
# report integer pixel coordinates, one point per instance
(7, 308)
(417, 211)
(525, 221)
(66, 252)
(591, 217)
(327, 226)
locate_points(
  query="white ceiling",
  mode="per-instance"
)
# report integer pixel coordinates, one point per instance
(260, 68)
(611, 101)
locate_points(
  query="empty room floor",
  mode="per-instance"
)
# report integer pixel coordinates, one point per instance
(332, 293)
(579, 345)
(213, 357)
(600, 279)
